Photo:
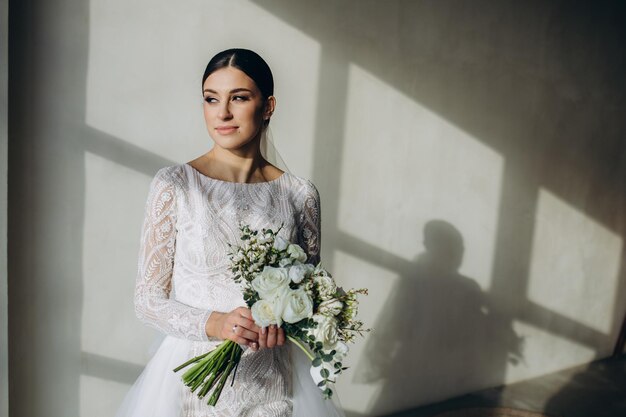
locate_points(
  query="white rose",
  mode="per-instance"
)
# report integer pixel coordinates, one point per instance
(326, 287)
(326, 331)
(330, 307)
(266, 312)
(297, 306)
(296, 252)
(280, 243)
(270, 281)
(298, 272)
(285, 262)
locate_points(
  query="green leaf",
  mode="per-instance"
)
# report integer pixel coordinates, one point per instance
(317, 361)
(325, 373)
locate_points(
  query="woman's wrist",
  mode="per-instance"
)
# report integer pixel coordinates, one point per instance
(212, 327)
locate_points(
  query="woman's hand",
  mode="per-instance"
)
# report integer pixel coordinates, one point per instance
(271, 336)
(239, 326)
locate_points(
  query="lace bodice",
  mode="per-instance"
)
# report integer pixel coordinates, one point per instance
(189, 220)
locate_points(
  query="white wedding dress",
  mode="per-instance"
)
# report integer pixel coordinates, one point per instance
(183, 276)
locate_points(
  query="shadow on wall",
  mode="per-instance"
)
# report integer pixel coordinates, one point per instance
(539, 83)
(441, 323)
(47, 199)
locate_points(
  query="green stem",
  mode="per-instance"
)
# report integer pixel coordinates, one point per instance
(297, 343)
(190, 361)
(196, 370)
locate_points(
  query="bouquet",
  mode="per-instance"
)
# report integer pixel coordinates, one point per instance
(280, 288)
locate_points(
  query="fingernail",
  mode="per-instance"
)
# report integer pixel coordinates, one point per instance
(263, 330)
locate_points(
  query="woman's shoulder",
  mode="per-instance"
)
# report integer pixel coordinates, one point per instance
(302, 187)
(170, 175)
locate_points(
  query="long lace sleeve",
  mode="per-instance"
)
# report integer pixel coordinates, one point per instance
(153, 305)
(310, 223)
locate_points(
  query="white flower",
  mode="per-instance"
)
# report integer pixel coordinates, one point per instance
(299, 271)
(266, 312)
(319, 270)
(296, 252)
(297, 306)
(264, 239)
(326, 287)
(326, 331)
(280, 243)
(285, 262)
(330, 307)
(270, 281)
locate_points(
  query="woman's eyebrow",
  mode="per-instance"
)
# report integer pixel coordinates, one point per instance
(234, 90)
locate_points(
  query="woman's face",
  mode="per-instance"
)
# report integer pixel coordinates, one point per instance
(234, 109)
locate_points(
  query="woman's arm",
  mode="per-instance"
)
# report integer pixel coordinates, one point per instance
(153, 304)
(311, 224)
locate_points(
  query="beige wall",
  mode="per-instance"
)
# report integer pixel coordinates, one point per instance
(497, 123)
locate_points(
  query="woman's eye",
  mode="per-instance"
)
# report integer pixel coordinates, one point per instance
(210, 99)
(240, 98)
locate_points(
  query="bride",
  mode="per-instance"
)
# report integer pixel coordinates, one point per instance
(183, 286)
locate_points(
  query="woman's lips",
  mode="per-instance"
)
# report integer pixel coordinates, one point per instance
(226, 129)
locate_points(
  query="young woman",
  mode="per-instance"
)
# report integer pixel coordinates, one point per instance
(184, 288)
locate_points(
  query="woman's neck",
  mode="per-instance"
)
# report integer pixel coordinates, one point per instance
(234, 166)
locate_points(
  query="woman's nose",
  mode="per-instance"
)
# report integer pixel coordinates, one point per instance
(224, 112)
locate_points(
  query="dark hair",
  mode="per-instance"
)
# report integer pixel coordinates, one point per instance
(247, 61)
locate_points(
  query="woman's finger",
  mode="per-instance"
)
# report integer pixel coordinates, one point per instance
(248, 320)
(245, 312)
(263, 338)
(245, 333)
(249, 324)
(271, 336)
(280, 337)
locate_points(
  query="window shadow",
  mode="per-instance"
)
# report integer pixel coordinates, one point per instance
(439, 322)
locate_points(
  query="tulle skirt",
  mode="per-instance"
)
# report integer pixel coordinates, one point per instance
(159, 392)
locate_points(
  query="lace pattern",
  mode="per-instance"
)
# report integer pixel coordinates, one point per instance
(153, 304)
(183, 271)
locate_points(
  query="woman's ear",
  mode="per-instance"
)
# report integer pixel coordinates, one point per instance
(270, 104)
